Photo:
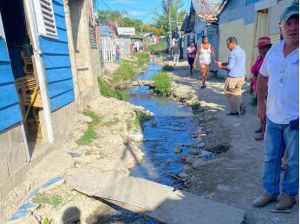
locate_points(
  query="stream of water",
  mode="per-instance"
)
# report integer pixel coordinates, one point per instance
(170, 129)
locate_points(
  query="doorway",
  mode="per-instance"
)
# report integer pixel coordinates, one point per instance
(20, 51)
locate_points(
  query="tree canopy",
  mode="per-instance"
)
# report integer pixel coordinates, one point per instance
(162, 18)
(121, 19)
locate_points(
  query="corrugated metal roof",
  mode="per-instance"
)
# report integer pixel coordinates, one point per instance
(126, 31)
(209, 10)
(105, 31)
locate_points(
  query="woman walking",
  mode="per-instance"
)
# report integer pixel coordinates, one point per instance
(191, 53)
(264, 44)
(205, 51)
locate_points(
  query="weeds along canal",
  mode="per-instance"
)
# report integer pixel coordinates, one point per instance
(166, 136)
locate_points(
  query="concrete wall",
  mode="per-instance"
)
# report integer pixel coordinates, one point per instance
(87, 60)
(238, 19)
(13, 165)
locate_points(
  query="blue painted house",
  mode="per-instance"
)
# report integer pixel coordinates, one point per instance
(37, 100)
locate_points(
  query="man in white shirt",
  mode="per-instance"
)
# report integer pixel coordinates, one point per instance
(279, 76)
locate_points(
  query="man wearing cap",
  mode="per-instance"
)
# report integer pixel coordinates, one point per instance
(280, 71)
(236, 68)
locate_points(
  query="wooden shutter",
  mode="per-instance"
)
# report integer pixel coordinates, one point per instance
(45, 18)
(1, 28)
(93, 39)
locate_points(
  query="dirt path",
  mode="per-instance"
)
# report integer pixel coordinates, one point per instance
(234, 177)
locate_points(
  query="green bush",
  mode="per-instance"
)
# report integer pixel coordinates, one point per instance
(143, 58)
(167, 68)
(162, 83)
(123, 73)
(156, 49)
(109, 91)
(89, 134)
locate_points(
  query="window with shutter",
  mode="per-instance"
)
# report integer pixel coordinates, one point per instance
(45, 18)
(93, 39)
(1, 28)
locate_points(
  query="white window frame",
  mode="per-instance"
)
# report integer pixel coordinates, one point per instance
(40, 19)
(2, 34)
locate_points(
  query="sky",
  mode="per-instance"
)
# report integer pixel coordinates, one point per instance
(137, 9)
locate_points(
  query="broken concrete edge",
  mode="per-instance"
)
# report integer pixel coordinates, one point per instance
(27, 207)
(163, 205)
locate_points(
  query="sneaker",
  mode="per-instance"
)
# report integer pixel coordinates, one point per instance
(264, 200)
(203, 86)
(259, 138)
(285, 202)
(258, 131)
(233, 114)
(242, 109)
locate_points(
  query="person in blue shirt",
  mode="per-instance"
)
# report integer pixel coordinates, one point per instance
(236, 71)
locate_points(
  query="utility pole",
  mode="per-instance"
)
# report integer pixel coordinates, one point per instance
(170, 23)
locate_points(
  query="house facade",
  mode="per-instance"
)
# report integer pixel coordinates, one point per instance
(42, 79)
(247, 20)
(124, 38)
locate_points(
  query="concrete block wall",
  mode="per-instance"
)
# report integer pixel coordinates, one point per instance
(87, 60)
(63, 121)
(13, 161)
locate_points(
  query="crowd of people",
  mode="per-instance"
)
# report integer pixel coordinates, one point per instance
(275, 83)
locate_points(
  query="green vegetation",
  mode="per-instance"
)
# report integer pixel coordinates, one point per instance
(167, 68)
(143, 58)
(90, 134)
(123, 73)
(157, 49)
(54, 200)
(123, 20)
(138, 120)
(162, 16)
(162, 83)
(108, 91)
(47, 221)
(195, 105)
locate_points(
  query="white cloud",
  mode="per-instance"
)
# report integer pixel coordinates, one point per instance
(135, 13)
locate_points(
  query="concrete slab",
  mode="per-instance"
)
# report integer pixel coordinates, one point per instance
(155, 200)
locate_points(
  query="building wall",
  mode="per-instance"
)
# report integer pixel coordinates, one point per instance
(245, 35)
(13, 165)
(87, 60)
(238, 19)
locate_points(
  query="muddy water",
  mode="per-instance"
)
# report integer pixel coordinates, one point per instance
(168, 132)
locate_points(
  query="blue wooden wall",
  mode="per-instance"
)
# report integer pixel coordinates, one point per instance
(10, 112)
(57, 62)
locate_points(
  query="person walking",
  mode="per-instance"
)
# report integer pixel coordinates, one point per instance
(204, 52)
(264, 44)
(176, 53)
(280, 73)
(236, 70)
(118, 53)
(191, 53)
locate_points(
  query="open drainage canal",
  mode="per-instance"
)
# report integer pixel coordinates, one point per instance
(169, 131)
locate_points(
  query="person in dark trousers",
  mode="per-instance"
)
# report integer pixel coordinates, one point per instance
(279, 78)
(191, 53)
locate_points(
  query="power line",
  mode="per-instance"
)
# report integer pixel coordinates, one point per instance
(106, 5)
